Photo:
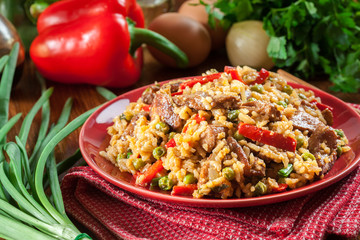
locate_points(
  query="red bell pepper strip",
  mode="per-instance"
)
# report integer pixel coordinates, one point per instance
(282, 187)
(322, 106)
(185, 190)
(95, 44)
(263, 75)
(177, 93)
(170, 143)
(199, 118)
(233, 73)
(267, 137)
(146, 177)
(199, 79)
(146, 108)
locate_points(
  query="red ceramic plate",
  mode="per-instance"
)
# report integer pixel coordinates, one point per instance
(94, 138)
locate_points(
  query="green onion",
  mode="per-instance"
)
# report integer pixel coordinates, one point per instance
(24, 206)
(339, 151)
(306, 156)
(107, 94)
(340, 133)
(282, 103)
(299, 141)
(260, 188)
(285, 172)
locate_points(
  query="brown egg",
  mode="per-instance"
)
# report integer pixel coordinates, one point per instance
(198, 13)
(186, 33)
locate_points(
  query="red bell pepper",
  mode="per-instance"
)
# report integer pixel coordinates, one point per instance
(177, 93)
(282, 187)
(146, 108)
(170, 143)
(233, 73)
(322, 106)
(185, 190)
(267, 137)
(146, 177)
(199, 118)
(199, 79)
(94, 42)
(263, 75)
(69, 10)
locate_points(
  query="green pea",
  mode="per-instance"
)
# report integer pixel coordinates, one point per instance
(299, 141)
(129, 153)
(233, 115)
(172, 135)
(154, 183)
(126, 116)
(238, 136)
(285, 172)
(260, 188)
(138, 163)
(252, 99)
(228, 173)
(307, 156)
(340, 132)
(163, 127)
(302, 96)
(287, 89)
(282, 103)
(158, 152)
(257, 88)
(121, 156)
(165, 183)
(339, 151)
(189, 179)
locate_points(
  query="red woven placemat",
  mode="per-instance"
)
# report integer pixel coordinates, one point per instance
(112, 213)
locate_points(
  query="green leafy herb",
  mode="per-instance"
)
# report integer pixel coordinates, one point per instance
(307, 37)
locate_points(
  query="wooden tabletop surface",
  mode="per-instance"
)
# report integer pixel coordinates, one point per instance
(85, 97)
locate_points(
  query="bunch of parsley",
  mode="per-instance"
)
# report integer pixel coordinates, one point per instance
(307, 37)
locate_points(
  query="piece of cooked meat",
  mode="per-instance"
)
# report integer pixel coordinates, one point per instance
(304, 121)
(209, 136)
(328, 116)
(226, 101)
(266, 110)
(149, 94)
(254, 170)
(162, 106)
(173, 85)
(195, 101)
(323, 134)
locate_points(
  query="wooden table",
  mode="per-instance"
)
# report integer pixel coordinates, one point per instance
(85, 97)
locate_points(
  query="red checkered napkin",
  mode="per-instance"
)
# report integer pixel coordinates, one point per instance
(112, 213)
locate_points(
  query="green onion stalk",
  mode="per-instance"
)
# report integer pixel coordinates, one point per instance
(26, 211)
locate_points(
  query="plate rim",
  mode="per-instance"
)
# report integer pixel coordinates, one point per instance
(218, 203)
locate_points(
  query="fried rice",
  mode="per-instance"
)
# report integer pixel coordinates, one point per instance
(238, 133)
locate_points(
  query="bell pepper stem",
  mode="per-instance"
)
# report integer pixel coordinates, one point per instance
(140, 36)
